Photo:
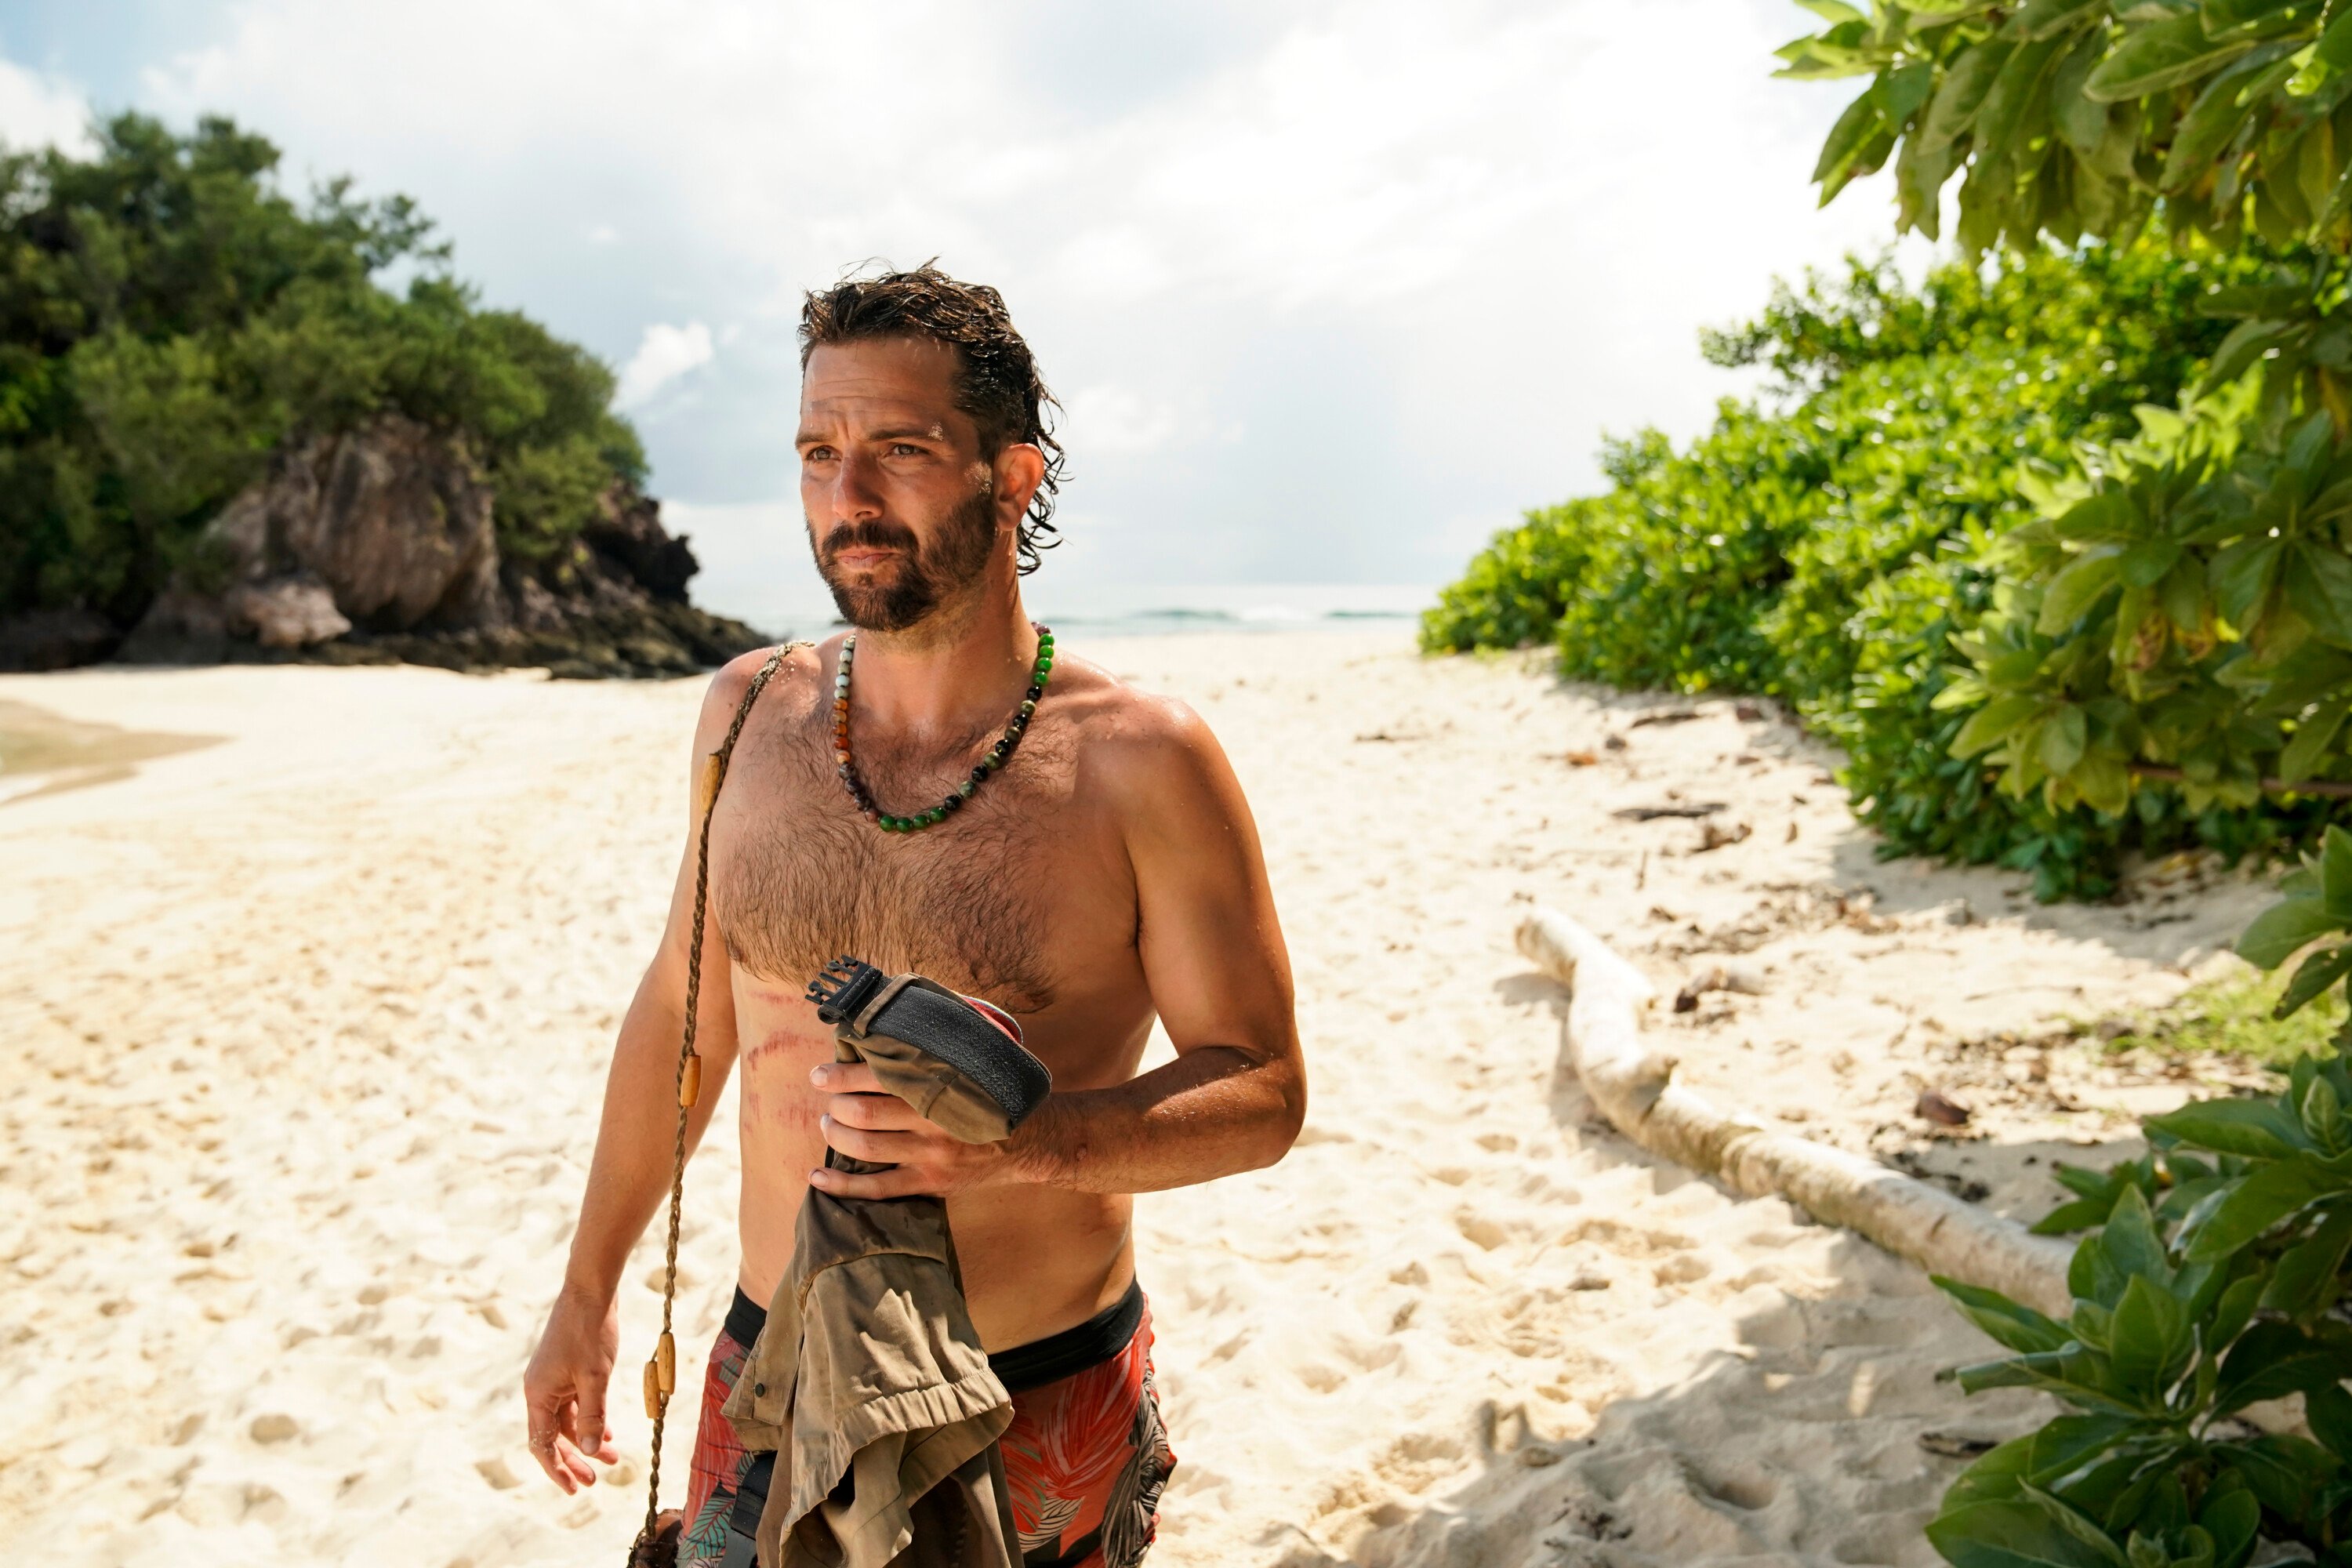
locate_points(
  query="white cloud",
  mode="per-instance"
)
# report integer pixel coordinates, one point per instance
(1110, 418)
(1420, 258)
(39, 111)
(664, 354)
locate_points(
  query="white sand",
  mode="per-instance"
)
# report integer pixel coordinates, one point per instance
(301, 1036)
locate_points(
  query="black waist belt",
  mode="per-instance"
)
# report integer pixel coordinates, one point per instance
(1024, 1367)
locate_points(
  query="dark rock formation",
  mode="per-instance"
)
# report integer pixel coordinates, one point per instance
(377, 546)
(55, 639)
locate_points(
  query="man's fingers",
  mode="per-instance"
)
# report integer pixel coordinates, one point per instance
(590, 1435)
(550, 1417)
(859, 1143)
(885, 1112)
(904, 1182)
(845, 1078)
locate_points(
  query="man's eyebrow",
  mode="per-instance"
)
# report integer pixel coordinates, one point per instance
(901, 433)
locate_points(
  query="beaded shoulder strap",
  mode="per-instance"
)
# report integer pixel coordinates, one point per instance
(661, 1371)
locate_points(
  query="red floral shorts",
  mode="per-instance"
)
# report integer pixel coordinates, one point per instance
(1085, 1458)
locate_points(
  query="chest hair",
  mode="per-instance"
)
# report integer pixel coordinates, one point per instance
(805, 880)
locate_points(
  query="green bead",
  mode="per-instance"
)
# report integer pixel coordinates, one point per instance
(1027, 709)
(966, 788)
(892, 825)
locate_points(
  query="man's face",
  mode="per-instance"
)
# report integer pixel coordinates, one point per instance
(902, 511)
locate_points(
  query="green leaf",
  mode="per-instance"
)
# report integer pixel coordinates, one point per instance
(2304, 1278)
(2012, 1325)
(1992, 723)
(2151, 1338)
(2205, 129)
(2336, 872)
(2109, 516)
(2230, 1515)
(2077, 1525)
(2082, 123)
(2067, 1218)
(1901, 91)
(2254, 1128)
(2248, 342)
(2319, 586)
(2303, 753)
(2043, 18)
(1860, 122)
(2264, 1198)
(1834, 12)
(1969, 77)
(2329, 1411)
(2330, 57)
(2272, 1360)
(2232, 1313)
(2313, 976)
(2283, 931)
(2159, 57)
(2242, 574)
(2131, 1240)
(2013, 93)
(2010, 1534)
(2073, 591)
(2145, 564)
(2064, 739)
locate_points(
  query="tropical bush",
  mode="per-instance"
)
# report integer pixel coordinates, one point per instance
(2180, 612)
(1827, 541)
(2212, 1280)
(168, 319)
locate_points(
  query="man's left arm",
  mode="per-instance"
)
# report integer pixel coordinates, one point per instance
(1212, 953)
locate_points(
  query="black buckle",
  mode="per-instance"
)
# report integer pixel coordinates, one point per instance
(844, 988)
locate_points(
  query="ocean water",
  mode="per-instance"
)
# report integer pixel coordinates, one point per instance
(1145, 610)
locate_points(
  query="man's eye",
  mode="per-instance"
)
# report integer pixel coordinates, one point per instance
(906, 450)
(816, 454)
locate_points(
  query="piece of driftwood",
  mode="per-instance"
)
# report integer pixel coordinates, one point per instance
(1633, 1087)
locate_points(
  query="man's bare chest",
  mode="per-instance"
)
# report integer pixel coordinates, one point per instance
(978, 903)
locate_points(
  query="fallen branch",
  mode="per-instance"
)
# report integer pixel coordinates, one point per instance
(1633, 1088)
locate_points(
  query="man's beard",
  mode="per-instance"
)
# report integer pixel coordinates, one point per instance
(922, 577)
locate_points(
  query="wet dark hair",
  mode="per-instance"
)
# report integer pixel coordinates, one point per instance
(996, 376)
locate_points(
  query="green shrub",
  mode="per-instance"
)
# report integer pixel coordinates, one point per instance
(1825, 542)
(168, 320)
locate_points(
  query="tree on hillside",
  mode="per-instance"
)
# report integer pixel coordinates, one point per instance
(168, 319)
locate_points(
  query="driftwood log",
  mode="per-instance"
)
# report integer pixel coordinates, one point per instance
(1633, 1087)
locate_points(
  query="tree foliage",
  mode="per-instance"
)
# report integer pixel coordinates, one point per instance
(1826, 542)
(168, 319)
(2181, 608)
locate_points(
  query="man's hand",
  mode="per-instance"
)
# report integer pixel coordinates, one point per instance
(867, 1122)
(563, 1390)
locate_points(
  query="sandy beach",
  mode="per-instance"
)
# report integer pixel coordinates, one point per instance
(308, 978)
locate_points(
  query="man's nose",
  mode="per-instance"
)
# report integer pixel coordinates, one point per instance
(855, 495)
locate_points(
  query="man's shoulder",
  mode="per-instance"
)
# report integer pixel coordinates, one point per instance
(1138, 743)
(798, 667)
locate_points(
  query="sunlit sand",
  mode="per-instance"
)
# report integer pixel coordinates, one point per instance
(304, 1033)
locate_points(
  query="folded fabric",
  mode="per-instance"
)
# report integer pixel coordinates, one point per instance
(868, 1380)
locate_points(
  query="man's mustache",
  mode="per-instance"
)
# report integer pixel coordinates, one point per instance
(872, 535)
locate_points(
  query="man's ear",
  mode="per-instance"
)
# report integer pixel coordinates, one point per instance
(1020, 468)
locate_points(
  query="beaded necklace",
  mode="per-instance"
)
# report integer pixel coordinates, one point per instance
(996, 757)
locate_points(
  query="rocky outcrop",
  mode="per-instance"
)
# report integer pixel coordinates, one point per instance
(55, 639)
(378, 546)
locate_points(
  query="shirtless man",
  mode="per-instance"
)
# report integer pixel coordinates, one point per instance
(1110, 872)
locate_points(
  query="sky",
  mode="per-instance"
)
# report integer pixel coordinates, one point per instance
(1330, 291)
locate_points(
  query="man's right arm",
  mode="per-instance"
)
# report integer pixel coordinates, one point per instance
(565, 1386)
